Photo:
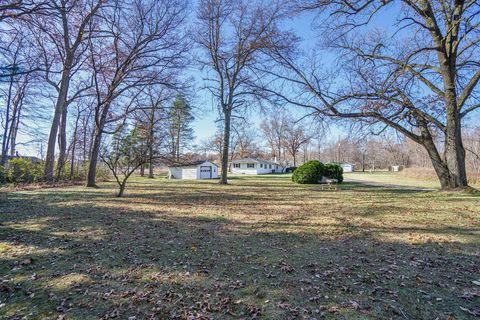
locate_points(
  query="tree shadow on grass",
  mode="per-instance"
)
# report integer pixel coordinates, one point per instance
(96, 261)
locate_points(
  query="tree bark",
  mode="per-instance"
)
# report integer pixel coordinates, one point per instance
(226, 147)
(121, 189)
(59, 106)
(62, 143)
(92, 169)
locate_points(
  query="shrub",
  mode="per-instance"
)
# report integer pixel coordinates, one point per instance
(308, 173)
(21, 170)
(333, 171)
(3, 175)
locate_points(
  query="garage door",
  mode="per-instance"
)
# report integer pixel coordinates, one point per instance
(205, 172)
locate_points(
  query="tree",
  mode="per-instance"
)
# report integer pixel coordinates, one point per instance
(139, 47)
(59, 33)
(126, 154)
(179, 126)
(233, 34)
(420, 79)
(153, 118)
(295, 137)
(273, 129)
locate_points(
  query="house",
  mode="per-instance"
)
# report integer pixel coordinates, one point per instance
(348, 167)
(195, 170)
(255, 166)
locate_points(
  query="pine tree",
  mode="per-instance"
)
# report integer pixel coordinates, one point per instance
(179, 127)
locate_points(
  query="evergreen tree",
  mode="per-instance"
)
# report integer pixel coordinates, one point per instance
(179, 128)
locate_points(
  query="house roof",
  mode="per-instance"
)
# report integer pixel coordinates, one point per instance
(189, 163)
(254, 160)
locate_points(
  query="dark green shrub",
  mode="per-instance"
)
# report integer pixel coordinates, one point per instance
(333, 171)
(21, 170)
(308, 173)
(3, 175)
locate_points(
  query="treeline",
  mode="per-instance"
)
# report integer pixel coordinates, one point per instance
(103, 67)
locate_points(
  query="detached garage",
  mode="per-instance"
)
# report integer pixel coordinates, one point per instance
(193, 170)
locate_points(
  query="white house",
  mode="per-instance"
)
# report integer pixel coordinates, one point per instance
(255, 166)
(348, 167)
(195, 170)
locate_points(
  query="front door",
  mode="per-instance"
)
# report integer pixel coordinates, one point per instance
(205, 172)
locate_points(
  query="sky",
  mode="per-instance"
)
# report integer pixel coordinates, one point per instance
(206, 113)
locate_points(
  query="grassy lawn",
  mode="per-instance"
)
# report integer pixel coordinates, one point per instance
(391, 178)
(260, 248)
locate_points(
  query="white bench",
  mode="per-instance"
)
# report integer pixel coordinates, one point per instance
(329, 184)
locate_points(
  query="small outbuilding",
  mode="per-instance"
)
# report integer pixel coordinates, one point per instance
(348, 167)
(195, 170)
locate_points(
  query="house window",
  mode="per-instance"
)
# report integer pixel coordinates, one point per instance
(270, 166)
(261, 165)
(250, 165)
(236, 165)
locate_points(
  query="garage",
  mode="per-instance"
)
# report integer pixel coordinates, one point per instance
(195, 170)
(205, 172)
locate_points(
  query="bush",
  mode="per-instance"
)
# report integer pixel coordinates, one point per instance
(3, 175)
(333, 171)
(308, 173)
(21, 170)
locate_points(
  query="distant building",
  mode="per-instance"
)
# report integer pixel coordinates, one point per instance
(195, 170)
(348, 167)
(255, 166)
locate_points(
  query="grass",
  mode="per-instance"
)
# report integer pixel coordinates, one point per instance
(394, 179)
(391, 178)
(260, 248)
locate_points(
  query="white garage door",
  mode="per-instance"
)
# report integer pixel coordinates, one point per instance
(205, 172)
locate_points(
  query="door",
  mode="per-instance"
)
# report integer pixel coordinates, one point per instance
(205, 172)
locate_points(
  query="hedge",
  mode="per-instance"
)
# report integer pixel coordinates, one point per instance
(311, 172)
(308, 173)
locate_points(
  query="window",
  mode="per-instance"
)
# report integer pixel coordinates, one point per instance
(236, 165)
(270, 166)
(261, 165)
(250, 165)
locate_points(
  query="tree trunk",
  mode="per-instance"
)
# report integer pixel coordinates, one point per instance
(59, 106)
(142, 170)
(454, 153)
(92, 169)
(7, 116)
(62, 142)
(226, 147)
(74, 144)
(121, 190)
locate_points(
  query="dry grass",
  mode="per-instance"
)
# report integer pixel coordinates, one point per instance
(428, 174)
(261, 247)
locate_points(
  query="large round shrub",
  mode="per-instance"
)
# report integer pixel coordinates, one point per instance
(22, 170)
(308, 173)
(333, 171)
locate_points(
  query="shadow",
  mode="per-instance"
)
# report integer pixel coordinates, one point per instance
(85, 254)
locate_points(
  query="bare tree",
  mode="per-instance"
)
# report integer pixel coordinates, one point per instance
(232, 34)
(420, 79)
(59, 32)
(140, 45)
(295, 137)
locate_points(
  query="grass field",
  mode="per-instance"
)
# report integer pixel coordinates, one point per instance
(260, 248)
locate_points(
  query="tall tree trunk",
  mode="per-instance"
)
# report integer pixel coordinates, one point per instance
(74, 144)
(454, 153)
(92, 169)
(7, 120)
(142, 170)
(14, 128)
(225, 147)
(62, 142)
(59, 106)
